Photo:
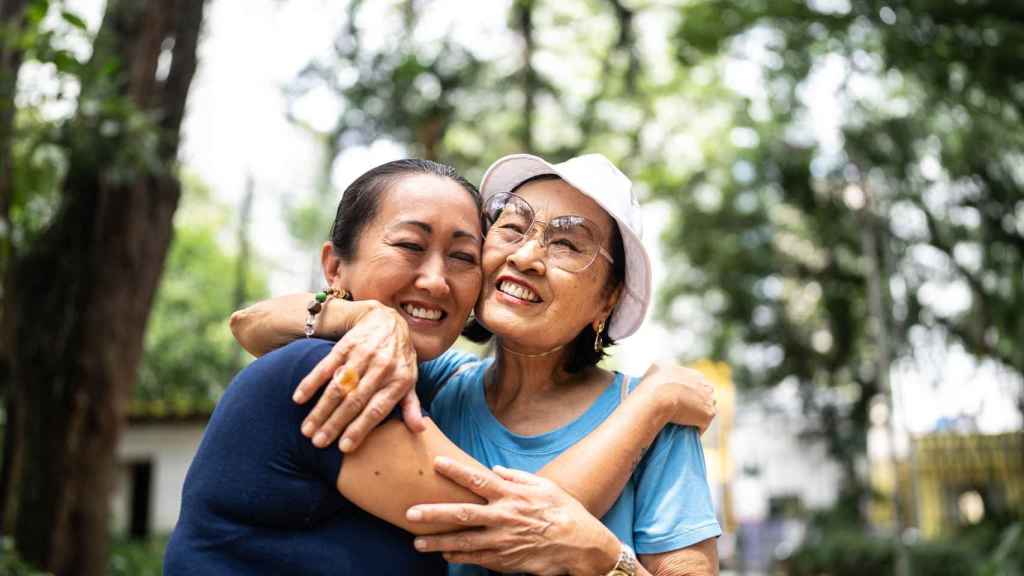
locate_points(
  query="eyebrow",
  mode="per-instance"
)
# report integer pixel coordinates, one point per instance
(459, 233)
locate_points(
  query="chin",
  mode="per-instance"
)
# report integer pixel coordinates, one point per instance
(428, 348)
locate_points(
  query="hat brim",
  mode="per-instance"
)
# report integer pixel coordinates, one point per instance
(628, 315)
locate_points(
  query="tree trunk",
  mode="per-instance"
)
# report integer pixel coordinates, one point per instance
(12, 15)
(523, 15)
(80, 296)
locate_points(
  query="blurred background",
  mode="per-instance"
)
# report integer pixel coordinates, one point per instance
(833, 193)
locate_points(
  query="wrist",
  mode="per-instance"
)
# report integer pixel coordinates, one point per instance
(658, 407)
(601, 558)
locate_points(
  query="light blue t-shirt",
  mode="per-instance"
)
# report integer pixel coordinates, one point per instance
(666, 505)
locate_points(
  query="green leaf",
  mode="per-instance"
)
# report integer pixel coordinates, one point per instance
(75, 20)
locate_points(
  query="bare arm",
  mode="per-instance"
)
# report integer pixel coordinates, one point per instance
(270, 324)
(394, 470)
(595, 470)
(701, 559)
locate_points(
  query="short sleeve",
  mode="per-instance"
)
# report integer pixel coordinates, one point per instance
(437, 371)
(673, 499)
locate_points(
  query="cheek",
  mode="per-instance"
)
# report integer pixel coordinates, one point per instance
(582, 293)
(381, 277)
(491, 259)
(466, 288)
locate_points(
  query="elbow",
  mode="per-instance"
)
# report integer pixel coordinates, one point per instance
(239, 322)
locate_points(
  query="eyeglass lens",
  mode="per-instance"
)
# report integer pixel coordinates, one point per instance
(571, 241)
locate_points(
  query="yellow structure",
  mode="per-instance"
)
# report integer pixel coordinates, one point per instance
(950, 468)
(955, 479)
(716, 440)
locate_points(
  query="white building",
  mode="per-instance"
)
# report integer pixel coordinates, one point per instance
(152, 458)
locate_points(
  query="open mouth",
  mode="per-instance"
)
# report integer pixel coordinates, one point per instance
(517, 290)
(423, 313)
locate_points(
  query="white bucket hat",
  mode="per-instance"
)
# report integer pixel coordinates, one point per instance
(595, 176)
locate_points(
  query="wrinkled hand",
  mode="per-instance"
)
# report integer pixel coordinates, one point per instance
(685, 393)
(529, 524)
(379, 350)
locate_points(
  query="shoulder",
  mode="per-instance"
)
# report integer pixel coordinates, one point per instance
(268, 382)
(441, 368)
(454, 399)
(287, 360)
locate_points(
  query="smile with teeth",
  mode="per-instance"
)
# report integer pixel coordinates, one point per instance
(424, 313)
(518, 290)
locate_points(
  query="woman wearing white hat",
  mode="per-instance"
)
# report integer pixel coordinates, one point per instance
(564, 276)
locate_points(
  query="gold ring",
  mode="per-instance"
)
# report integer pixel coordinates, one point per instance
(346, 379)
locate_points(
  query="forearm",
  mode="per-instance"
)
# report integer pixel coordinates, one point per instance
(271, 324)
(700, 559)
(595, 470)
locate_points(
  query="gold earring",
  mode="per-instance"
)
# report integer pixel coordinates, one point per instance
(597, 341)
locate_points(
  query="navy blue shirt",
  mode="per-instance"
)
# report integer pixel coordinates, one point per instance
(259, 498)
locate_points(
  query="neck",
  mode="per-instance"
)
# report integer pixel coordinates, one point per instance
(518, 376)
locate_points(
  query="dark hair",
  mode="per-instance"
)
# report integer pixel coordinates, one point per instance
(580, 353)
(361, 200)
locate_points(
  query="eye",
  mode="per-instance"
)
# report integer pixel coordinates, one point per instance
(565, 243)
(465, 257)
(411, 246)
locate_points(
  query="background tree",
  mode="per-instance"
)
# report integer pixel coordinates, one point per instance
(779, 234)
(77, 296)
(189, 355)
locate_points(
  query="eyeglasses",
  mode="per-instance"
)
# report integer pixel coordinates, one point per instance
(571, 243)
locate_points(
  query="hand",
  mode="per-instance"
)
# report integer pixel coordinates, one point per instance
(684, 393)
(529, 524)
(379, 350)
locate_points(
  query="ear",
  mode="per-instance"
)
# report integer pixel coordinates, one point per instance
(333, 266)
(610, 302)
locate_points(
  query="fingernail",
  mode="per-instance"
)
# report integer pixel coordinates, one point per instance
(419, 543)
(414, 515)
(297, 397)
(307, 429)
(346, 445)
(320, 440)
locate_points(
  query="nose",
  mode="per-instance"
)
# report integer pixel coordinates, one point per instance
(529, 256)
(432, 277)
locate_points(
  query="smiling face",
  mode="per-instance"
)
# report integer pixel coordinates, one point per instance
(420, 255)
(531, 305)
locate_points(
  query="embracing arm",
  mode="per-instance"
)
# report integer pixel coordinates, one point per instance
(595, 470)
(270, 324)
(394, 470)
(700, 559)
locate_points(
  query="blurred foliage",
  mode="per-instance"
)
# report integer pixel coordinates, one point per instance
(467, 99)
(128, 557)
(132, 557)
(11, 563)
(773, 236)
(991, 549)
(190, 355)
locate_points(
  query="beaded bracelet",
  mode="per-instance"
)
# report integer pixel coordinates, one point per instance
(317, 304)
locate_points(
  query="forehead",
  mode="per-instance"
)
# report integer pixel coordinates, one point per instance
(430, 199)
(554, 198)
